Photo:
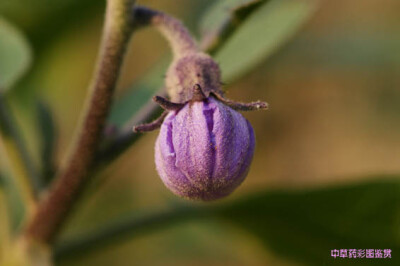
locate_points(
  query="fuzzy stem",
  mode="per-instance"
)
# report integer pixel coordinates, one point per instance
(55, 207)
(173, 30)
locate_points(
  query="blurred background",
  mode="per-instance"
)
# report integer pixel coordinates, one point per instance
(334, 95)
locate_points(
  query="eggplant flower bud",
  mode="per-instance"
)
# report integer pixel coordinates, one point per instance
(204, 150)
(205, 147)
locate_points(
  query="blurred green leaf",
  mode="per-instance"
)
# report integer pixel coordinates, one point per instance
(299, 225)
(47, 135)
(306, 225)
(2, 180)
(4, 222)
(15, 54)
(270, 26)
(33, 17)
(137, 96)
(16, 149)
(12, 198)
(223, 18)
(220, 11)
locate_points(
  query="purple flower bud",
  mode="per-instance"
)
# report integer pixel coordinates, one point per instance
(204, 150)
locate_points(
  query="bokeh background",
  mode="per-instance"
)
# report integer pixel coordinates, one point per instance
(334, 95)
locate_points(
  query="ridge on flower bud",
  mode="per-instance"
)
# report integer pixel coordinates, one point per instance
(204, 150)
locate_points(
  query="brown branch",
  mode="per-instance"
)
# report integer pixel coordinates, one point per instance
(55, 207)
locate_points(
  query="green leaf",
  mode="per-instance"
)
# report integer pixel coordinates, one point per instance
(15, 54)
(267, 29)
(47, 134)
(2, 182)
(12, 198)
(223, 18)
(221, 11)
(4, 222)
(137, 96)
(300, 225)
(306, 225)
(33, 17)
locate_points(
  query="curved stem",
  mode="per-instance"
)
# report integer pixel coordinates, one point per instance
(173, 30)
(55, 207)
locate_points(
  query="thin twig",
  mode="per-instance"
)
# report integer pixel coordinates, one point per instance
(55, 207)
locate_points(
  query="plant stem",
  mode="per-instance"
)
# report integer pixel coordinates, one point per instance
(174, 31)
(55, 207)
